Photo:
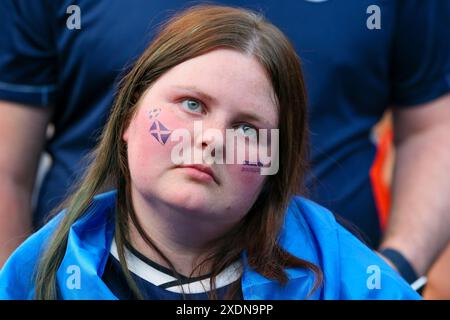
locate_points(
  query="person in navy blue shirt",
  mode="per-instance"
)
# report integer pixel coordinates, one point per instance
(205, 150)
(359, 58)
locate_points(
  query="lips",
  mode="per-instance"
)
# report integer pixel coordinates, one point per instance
(202, 168)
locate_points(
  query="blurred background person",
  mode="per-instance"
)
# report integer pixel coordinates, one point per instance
(438, 280)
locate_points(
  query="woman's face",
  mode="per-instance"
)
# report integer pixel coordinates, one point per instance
(222, 89)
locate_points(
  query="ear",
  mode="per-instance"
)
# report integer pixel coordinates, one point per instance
(129, 126)
(126, 133)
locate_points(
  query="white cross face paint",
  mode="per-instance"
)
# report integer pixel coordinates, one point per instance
(157, 129)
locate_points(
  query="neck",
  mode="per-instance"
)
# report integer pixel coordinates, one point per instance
(185, 238)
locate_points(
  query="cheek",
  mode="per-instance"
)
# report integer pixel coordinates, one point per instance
(149, 142)
(243, 188)
(244, 183)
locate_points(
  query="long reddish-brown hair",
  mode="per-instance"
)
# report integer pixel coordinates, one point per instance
(188, 34)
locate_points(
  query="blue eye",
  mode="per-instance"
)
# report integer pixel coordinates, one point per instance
(192, 105)
(247, 130)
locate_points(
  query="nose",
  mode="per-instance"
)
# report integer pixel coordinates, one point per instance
(209, 137)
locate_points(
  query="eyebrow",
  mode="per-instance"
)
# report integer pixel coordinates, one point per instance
(253, 117)
(212, 100)
(202, 95)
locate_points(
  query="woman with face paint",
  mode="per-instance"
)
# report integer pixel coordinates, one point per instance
(143, 224)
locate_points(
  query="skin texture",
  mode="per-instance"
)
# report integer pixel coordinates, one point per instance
(438, 285)
(180, 209)
(22, 139)
(419, 220)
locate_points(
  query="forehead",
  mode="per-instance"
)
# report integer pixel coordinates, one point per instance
(235, 81)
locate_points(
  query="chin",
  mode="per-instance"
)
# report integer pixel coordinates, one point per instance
(189, 198)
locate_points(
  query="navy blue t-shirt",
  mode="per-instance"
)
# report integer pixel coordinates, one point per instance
(156, 282)
(353, 73)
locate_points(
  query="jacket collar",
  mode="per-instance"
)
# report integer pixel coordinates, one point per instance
(91, 236)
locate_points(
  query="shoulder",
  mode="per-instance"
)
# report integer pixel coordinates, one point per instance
(351, 269)
(16, 276)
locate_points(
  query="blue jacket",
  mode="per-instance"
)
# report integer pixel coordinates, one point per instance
(351, 270)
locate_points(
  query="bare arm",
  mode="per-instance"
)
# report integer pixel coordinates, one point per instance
(419, 224)
(22, 138)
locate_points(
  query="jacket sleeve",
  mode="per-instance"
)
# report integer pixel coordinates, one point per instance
(28, 60)
(365, 275)
(420, 67)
